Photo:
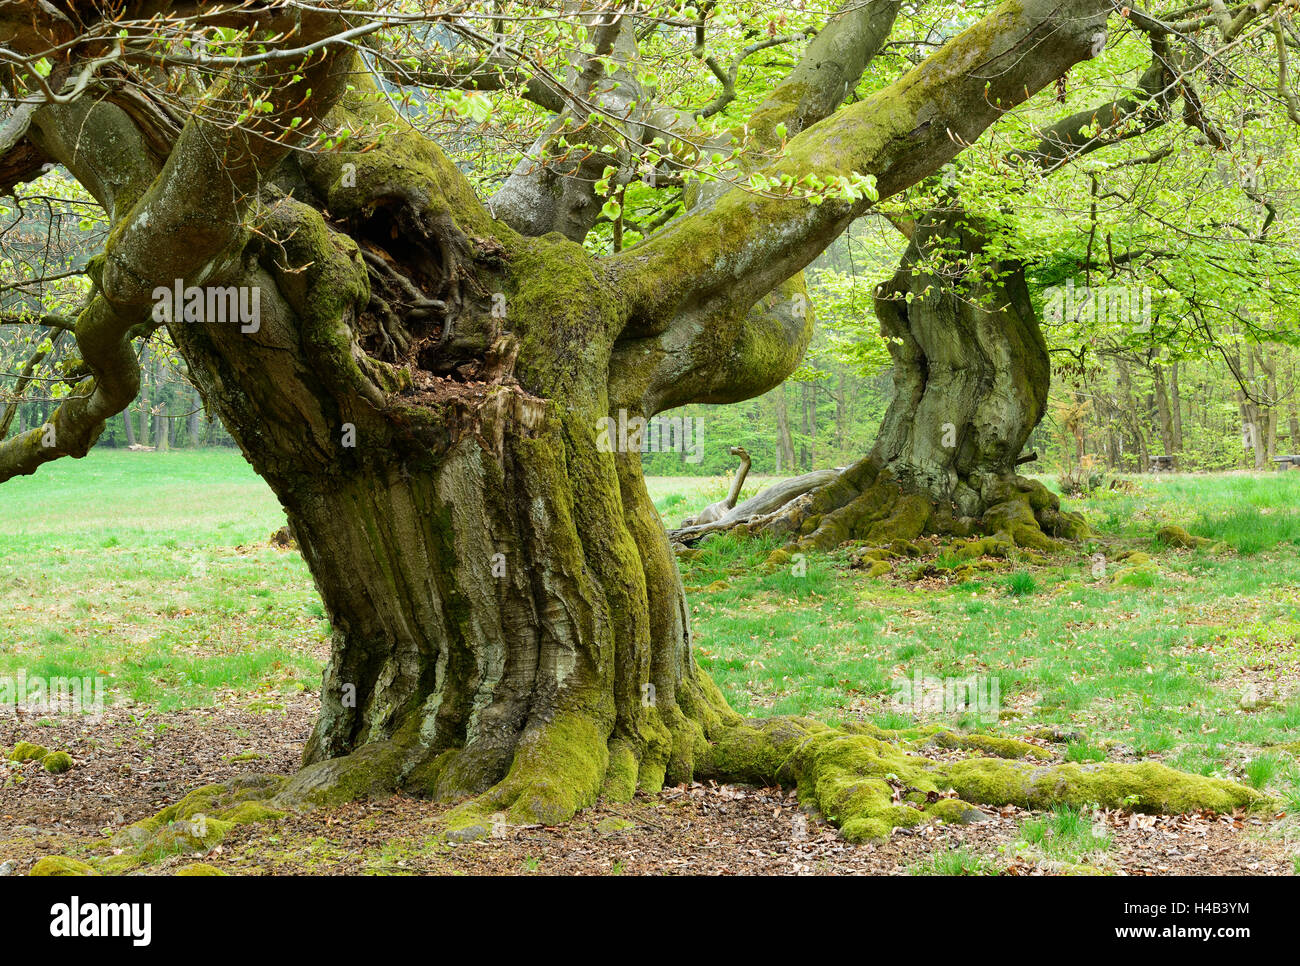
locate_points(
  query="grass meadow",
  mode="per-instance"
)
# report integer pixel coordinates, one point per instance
(153, 572)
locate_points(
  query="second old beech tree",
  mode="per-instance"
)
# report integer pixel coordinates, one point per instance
(438, 345)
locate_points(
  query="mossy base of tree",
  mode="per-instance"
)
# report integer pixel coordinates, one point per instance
(866, 503)
(865, 780)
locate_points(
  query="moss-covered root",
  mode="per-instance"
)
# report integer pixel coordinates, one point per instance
(1180, 539)
(869, 786)
(61, 865)
(197, 822)
(1145, 787)
(868, 503)
(558, 769)
(373, 771)
(880, 513)
(1028, 513)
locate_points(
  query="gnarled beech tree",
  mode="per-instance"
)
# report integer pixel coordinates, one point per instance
(971, 368)
(425, 385)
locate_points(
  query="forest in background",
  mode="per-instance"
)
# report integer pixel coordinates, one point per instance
(475, 250)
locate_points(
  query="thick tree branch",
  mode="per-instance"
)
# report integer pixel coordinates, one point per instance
(492, 73)
(1082, 133)
(727, 257)
(739, 355)
(184, 224)
(552, 188)
(20, 159)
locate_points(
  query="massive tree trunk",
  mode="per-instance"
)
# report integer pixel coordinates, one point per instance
(506, 611)
(507, 598)
(971, 375)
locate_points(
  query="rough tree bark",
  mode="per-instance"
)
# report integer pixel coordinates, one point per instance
(423, 393)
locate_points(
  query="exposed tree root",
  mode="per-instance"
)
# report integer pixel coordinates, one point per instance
(869, 782)
(196, 823)
(558, 771)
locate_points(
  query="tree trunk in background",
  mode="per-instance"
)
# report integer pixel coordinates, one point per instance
(1251, 416)
(841, 413)
(971, 370)
(1176, 407)
(809, 445)
(162, 430)
(1269, 367)
(1080, 444)
(128, 425)
(1130, 415)
(971, 375)
(1252, 435)
(1163, 410)
(784, 444)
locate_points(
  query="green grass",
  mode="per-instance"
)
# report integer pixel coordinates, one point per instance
(1083, 752)
(1261, 771)
(1252, 513)
(151, 572)
(956, 862)
(1153, 668)
(1021, 584)
(1066, 834)
(677, 497)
